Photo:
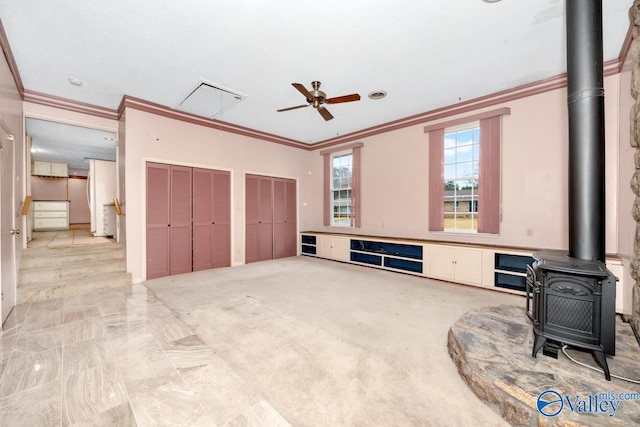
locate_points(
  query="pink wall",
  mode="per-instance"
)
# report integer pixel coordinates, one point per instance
(79, 212)
(154, 138)
(48, 188)
(534, 178)
(394, 174)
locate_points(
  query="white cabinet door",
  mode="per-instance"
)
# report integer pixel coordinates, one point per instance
(41, 168)
(59, 169)
(340, 248)
(469, 266)
(442, 262)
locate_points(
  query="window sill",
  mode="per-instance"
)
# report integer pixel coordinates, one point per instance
(464, 234)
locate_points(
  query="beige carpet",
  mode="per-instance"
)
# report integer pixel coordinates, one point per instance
(332, 344)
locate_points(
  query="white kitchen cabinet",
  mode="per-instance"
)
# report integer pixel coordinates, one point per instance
(457, 264)
(58, 170)
(50, 215)
(41, 168)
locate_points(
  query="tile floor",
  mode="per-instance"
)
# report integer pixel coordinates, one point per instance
(116, 357)
(79, 235)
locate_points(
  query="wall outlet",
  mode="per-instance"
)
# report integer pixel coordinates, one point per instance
(529, 231)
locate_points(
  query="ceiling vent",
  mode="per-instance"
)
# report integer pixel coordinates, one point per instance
(209, 100)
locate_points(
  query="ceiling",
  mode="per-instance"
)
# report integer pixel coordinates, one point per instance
(424, 54)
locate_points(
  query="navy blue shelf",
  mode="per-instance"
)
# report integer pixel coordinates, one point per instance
(308, 249)
(510, 281)
(386, 248)
(309, 240)
(403, 264)
(366, 258)
(515, 263)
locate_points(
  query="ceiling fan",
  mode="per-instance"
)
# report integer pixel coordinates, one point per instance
(316, 98)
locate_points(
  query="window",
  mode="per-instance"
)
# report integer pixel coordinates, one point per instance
(341, 186)
(464, 173)
(461, 172)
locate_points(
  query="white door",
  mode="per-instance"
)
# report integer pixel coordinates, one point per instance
(7, 228)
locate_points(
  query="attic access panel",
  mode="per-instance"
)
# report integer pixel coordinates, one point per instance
(209, 100)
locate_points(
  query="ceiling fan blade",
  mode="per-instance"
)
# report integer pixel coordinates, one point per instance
(345, 98)
(292, 108)
(325, 113)
(303, 90)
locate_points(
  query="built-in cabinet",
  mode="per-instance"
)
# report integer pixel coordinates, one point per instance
(54, 169)
(270, 218)
(333, 247)
(50, 215)
(172, 197)
(501, 269)
(457, 264)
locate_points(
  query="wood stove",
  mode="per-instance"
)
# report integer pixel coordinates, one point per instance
(572, 301)
(571, 295)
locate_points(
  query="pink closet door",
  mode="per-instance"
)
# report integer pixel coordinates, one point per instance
(158, 220)
(221, 223)
(291, 219)
(202, 219)
(180, 220)
(211, 219)
(279, 218)
(252, 196)
(284, 218)
(258, 218)
(265, 221)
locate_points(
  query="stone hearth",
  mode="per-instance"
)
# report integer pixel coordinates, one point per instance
(492, 350)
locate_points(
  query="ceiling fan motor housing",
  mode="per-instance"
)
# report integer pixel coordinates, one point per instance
(318, 96)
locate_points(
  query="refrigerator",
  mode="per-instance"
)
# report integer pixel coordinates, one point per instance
(101, 190)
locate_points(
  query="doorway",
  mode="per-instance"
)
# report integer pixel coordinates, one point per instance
(61, 160)
(9, 231)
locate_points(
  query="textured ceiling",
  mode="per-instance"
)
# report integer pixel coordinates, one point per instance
(426, 54)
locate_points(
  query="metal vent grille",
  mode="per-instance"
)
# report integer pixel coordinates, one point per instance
(209, 100)
(570, 313)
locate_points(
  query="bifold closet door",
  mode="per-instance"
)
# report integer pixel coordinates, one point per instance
(284, 218)
(259, 218)
(270, 218)
(180, 220)
(168, 220)
(211, 219)
(158, 219)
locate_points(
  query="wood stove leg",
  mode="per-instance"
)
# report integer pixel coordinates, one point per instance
(538, 343)
(602, 361)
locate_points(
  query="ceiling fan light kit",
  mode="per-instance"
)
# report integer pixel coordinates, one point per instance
(316, 98)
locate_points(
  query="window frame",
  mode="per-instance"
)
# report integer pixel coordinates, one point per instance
(489, 199)
(333, 190)
(356, 200)
(469, 126)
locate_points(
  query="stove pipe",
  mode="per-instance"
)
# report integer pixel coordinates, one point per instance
(586, 130)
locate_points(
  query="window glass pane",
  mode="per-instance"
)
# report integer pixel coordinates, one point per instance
(341, 188)
(461, 152)
(464, 170)
(464, 138)
(464, 153)
(449, 172)
(449, 155)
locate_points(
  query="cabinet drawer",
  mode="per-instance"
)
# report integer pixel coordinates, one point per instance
(50, 223)
(50, 214)
(50, 206)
